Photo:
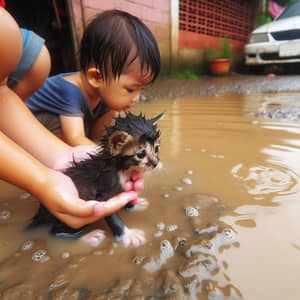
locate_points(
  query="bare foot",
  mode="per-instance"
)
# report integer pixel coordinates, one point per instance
(93, 238)
(133, 238)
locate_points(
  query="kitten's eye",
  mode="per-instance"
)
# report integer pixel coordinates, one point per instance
(156, 148)
(141, 154)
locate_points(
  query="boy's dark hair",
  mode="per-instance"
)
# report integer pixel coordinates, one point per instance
(109, 39)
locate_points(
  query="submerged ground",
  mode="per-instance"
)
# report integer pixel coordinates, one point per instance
(210, 86)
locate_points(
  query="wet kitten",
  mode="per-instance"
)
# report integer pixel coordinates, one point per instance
(132, 143)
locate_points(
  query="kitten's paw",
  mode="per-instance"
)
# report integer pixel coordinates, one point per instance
(142, 204)
(93, 238)
(133, 238)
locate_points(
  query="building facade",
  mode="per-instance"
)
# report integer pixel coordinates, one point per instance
(182, 27)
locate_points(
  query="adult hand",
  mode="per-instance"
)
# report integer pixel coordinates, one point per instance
(77, 153)
(60, 196)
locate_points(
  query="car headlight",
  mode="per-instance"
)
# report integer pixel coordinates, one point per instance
(259, 37)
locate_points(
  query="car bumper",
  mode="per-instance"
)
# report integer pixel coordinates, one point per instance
(272, 53)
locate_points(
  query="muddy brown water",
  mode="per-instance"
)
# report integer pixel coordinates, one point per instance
(223, 222)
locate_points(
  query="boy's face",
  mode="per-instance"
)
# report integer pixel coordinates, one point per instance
(122, 93)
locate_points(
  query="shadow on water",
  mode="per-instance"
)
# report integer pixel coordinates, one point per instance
(222, 223)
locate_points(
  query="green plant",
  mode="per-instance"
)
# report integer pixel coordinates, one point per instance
(223, 50)
(186, 74)
(264, 18)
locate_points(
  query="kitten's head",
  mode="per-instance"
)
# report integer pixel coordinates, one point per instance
(134, 139)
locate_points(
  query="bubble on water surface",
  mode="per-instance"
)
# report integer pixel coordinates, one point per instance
(186, 180)
(226, 237)
(179, 188)
(25, 196)
(166, 196)
(158, 234)
(5, 215)
(160, 226)
(138, 259)
(218, 156)
(255, 122)
(65, 255)
(166, 249)
(172, 227)
(40, 255)
(191, 211)
(189, 172)
(27, 245)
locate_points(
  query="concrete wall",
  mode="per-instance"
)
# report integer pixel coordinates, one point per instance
(154, 13)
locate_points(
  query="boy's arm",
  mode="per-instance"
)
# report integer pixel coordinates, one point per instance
(73, 131)
(98, 129)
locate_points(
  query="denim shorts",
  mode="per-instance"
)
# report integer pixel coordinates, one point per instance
(32, 46)
(52, 122)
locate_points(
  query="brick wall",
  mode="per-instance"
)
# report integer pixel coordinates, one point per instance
(154, 13)
(203, 23)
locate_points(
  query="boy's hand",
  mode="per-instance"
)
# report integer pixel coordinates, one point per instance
(60, 196)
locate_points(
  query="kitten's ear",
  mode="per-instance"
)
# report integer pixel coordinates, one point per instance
(155, 119)
(118, 140)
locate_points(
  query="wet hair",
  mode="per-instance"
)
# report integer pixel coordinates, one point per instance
(109, 40)
(136, 125)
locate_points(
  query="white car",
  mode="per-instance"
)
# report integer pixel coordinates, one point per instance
(277, 42)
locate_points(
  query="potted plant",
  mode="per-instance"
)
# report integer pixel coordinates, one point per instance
(219, 58)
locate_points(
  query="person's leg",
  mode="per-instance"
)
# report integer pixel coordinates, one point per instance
(11, 45)
(35, 76)
(33, 67)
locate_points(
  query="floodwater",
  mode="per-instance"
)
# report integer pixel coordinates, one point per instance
(223, 220)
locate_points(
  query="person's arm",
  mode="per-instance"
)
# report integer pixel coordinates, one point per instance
(20, 125)
(73, 131)
(54, 189)
(98, 129)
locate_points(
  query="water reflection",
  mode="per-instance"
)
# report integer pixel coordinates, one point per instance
(223, 222)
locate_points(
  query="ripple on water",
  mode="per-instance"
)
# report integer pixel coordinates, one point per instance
(263, 180)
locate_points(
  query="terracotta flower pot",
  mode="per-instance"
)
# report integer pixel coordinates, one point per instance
(219, 66)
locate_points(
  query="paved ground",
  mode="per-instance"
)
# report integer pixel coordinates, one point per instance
(209, 85)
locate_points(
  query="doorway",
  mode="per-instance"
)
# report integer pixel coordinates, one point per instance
(50, 19)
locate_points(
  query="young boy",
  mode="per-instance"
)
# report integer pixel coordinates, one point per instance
(118, 57)
(23, 161)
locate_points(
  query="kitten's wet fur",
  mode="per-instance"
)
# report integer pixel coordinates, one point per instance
(132, 143)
